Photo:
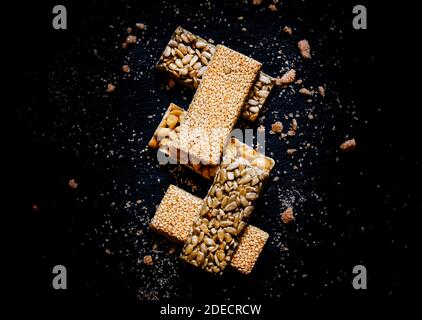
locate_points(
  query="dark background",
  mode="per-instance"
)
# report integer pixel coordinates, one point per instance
(350, 208)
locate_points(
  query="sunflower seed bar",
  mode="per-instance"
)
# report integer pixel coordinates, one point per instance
(186, 58)
(174, 216)
(169, 129)
(257, 97)
(249, 248)
(224, 213)
(175, 223)
(216, 106)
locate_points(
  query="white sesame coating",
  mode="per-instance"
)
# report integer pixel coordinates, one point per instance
(250, 246)
(175, 214)
(217, 104)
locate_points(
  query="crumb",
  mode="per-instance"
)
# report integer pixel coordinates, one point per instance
(110, 88)
(291, 151)
(291, 133)
(321, 91)
(277, 127)
(299, 81)
(172, 250)
(272, 7)
(35, 207)
(140, 26)
(139, 201)
(257, 2)
(283, 135)
(261, 129)
(148, 260)
(171, 83)
(294, 125)
(125, 68)
(287, 30)
(305, 91)
(107, 251)
(244, 29)
(286, 78)
(348, 145)
(304, 48)
(73, 184)
(276, 178)
(310, 116)
(240, 18)
(129, 30)
(124, 45)
(131, 39)
(287, 215)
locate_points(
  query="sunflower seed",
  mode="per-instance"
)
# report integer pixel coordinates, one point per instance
(182, 48)
(209, 242)
(232, 166)
(167, 52)
(251, 196)
(200, 257)
(226, 223)
(230, 207)
(187, 58)
(231, 230)
(200, 44)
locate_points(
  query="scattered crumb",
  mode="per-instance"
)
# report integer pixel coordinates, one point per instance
(148, 260)
(124, 45)
(240, 18)
(171, 83)
(348, 145)
(35, 207)
(110, 87)
(291, 133)
(73, 184)
(107, 251)
(287, 215)
(321, 91)
(294, 124)
(140, 26)
(283, 135)
(277, 127)
(131, 39)
(286, 78)
(299, 81)
(129, 30)
(310, 116)
(305, 91)
(287, 30)
(291, 151)
(272, 7)
(257, 2)
(304, 48)
(172, 250)
(125, 68)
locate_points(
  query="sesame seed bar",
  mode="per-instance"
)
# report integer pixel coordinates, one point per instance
(225, 211)
(175, 223)
(174, 216)
(169, 129)
(216, 106)
(250, 247)
(186, 58)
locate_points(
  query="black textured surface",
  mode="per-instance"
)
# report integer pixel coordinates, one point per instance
(351, 208)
